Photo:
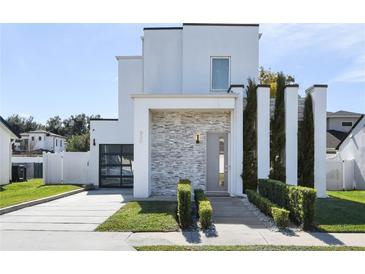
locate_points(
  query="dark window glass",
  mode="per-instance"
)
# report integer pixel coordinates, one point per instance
(347, 124)
(56, 142)
(116, 165)
(39, 138)
(60, 143)
(32, 138)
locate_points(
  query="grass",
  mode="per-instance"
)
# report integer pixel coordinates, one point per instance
(246, 248)
(17, 193)
(343, 211)
(143, 216)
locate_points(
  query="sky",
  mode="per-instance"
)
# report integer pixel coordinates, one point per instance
(67, 69)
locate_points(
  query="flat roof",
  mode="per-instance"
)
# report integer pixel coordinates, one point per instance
(183, 95)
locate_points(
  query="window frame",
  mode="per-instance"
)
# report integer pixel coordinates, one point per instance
(211, 73)
(121, 153)
(342, 123)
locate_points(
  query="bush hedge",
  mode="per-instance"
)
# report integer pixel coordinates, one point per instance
(184, 203)
(204, 208)
(280, 215)
(205, 213)
(300, 201)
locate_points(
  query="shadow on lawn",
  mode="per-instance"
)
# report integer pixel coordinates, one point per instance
(335, 211)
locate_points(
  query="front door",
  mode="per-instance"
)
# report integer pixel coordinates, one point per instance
(217, 162)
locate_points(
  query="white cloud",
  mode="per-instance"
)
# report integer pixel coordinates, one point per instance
(355, 73)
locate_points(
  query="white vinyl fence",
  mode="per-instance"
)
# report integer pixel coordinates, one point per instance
(66, 168)
(340, 173)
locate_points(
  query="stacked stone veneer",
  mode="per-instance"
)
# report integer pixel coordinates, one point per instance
(174, 152)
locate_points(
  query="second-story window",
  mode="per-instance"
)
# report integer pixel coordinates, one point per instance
(33, 138)
(56, 142)
(39, 138)
(220, 73)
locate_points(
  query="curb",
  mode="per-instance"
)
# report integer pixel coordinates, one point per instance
(43, 200)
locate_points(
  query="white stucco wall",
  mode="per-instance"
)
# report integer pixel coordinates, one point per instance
(162, 52)
(334, 123)
(353, 148)
(5, 155)
(200, 43)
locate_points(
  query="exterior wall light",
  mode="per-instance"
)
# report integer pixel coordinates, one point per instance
(94, 144)
(197, 138)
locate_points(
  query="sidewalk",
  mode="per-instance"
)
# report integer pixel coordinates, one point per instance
(240, 235)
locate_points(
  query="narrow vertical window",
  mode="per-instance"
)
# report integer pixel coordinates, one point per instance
(220, 73)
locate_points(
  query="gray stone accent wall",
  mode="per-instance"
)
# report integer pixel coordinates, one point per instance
(174, 152)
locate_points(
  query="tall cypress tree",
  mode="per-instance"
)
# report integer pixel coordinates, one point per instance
(306, 145)
(277, 140)
(249, 173)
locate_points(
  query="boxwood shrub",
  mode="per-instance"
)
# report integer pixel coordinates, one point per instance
(205, 213)
(184, 203)
(280, 216)
(204, 208)
(300, 201)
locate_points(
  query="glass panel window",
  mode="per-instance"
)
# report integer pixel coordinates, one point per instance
(116, 165)
(110, 171)
(110, 159)
(221, 161)
(220, 73)
(39, 138)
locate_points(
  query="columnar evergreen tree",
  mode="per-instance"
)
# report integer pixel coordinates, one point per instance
(306, 145)
(277, 140)
(249, 173)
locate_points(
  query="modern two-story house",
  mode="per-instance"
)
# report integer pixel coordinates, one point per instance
(180, 108)
(39, 141)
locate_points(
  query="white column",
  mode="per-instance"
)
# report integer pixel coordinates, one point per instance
(291, 134)
(141, 188)
(263, 131)
(319, 99)
(236, 188)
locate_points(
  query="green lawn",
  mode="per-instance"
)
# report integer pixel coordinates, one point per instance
(343, 211)
(17, 193)
(246, 248)
(143, 216)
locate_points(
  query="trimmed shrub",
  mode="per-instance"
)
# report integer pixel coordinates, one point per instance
(249, 172)
(280, 216)
(205, 213)
(184, 203)
(198, 196)
(262, 203)
(275, 191)
(203, 208)
(277, 134)
(300, 201)
(302, 205)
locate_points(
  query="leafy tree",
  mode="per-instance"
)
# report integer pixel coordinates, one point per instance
(277, 140)
(267, 77)
(23, 124)
(78, 142)
(249, 173)
(306, 145)
(55, 125)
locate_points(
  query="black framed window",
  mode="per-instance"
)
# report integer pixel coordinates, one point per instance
(116, 165)
(347, 124)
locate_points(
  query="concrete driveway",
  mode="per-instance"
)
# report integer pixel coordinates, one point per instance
(65, 224)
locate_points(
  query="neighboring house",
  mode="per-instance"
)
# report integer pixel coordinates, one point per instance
(7, 135)
(180, 110)
(339, 123)
(37, 141)
(346, 168)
